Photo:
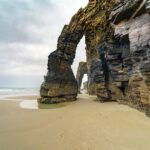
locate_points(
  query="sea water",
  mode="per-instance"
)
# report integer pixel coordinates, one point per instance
(7, 94)
(12, 92)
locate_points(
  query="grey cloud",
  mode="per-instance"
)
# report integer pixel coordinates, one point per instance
(18, 81)
(21, 20)
(28, 33)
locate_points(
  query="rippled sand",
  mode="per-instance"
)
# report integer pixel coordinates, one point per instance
(81, 125)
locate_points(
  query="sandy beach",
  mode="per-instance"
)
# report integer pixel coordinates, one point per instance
(81, 125)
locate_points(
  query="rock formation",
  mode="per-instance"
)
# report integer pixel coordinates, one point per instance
(124, 64)
(133, 32)
(117, 36)
(85, 86)
(82, 70)
(60, 84)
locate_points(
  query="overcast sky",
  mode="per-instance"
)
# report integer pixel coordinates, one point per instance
(28, 34)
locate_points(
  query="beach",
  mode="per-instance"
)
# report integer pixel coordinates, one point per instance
(81, 125)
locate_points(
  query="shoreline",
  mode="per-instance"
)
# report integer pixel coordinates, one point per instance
(26, 97)
(84, 124)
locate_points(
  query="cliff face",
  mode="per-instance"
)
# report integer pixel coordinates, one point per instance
(125, 59)
(117, 34)
(133, 31)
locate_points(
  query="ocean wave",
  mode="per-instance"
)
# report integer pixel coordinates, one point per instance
(17, 91)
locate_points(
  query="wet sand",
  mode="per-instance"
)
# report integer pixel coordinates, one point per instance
(81, 125)
(31, 97)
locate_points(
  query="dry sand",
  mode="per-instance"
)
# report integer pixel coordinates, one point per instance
(81, 125)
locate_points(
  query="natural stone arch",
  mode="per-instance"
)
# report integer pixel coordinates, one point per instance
(115, 75)
(82, 70)
(60, 84)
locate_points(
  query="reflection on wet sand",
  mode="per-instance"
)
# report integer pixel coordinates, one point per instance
(33, 104)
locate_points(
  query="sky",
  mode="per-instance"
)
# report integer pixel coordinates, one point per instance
(28, 34)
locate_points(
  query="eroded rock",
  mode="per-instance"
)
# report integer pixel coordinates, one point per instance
(117, 35)
(91, 22)
(82, 70)
(127, 57)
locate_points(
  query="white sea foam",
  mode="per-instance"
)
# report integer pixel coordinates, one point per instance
(10, 92)
(29, 104)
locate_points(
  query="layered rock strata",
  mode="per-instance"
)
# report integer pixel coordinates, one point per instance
(124, 65)
(117, 50)
(60, 84)
(134, 33)
(91, 22)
